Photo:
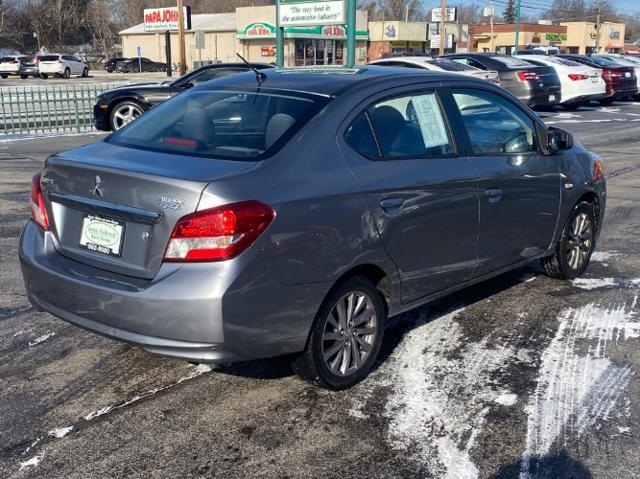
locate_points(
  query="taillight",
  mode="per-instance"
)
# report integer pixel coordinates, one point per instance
(598, 171)
(609, 74)
(38, 211)
(578, 76)
(219, 233)
(528, 76)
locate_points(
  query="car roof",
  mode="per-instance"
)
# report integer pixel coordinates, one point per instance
(324, 81)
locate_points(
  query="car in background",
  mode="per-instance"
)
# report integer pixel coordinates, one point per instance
(110, 64)
(62, 65)
(535, 85)
(293, 212)
(115, 108)
(21, 65)
(438, 64)
(580, 84)
(621, 80)
(137, 65)
(626, 61)
(539, 50)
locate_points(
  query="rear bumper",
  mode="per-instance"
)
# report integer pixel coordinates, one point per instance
(543, 97)
(623, 92)
(585, 98)
(177, 314)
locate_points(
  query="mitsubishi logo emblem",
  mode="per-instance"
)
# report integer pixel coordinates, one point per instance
(97, 188)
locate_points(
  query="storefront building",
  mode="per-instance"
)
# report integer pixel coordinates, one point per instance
(396, 37)
(321, 45)
(251, 32)
(503, 40)
(582, 37)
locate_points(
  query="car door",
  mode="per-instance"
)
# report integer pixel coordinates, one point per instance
(519, 187)
(422, 194)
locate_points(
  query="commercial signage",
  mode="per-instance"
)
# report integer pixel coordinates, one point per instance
(554, 37)
(163, 19)
(257, 30)
(435, 41)
(311, 12)
(268, 51)
(434, 28)
(390, 31)
(449, 15)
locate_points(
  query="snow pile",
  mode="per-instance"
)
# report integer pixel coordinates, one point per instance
(41, 339)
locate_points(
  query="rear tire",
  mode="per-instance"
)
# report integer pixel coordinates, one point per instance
(345, 338)
(577, 243)
(572, 106)
(85, 73)
(24, 77)
(607, 101)
(44, 76)
(4, 76)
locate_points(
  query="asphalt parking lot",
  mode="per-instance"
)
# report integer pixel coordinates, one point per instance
(97, 76)
(522, 376)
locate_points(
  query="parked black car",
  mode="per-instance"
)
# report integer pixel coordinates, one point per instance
(534, 85)
(115, 108)
(136, 65)
(621, 80)
(110, 64)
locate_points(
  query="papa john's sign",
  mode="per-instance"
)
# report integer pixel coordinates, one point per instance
(163, 19)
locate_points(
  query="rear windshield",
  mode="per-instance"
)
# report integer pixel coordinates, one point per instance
(602, 61)
(49, 58)
(450, 66)
(7, 59)
(222, 123)
(564, 61)
(511, 61)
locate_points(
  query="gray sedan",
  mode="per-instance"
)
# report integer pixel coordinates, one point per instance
(293, 212)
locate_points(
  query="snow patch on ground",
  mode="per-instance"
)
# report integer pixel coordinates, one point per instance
(600, 256)
(576, 387)
(594, 283)
(41, 339)
(33, 462)
(199, 370)
(442, 389)
(59, 432)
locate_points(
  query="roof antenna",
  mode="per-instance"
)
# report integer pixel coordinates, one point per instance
(259, 75)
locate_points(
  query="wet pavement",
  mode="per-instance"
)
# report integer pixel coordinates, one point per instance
(521, 376)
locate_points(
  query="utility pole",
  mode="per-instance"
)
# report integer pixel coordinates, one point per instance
(598, 26)
(491, 20)
(517, 26)
(181, 47)
(279, 38)
(351, 33)
(443, 33)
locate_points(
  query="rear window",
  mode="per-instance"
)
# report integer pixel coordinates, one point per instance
(6, 59)
(511, 61)
(602, 61)
(223, 124)
(450, 66)
(564, 61)
(49, 58)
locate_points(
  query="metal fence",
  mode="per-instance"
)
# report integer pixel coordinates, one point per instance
(50, 108)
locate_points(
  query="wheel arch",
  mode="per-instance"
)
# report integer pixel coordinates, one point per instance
(591, 197)
(372, 272)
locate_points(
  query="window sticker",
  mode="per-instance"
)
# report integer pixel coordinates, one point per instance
(434, 131)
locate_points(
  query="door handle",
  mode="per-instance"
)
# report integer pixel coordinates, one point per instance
(391, 205)
(493, 194)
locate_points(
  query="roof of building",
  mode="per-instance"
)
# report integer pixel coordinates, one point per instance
(208, 22)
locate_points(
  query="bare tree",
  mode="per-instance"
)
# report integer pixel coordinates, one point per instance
(469, 14)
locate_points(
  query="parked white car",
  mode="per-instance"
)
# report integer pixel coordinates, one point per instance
(62, 65)
(21, 65)
(579, 84)
(438, 64)
(627, 61)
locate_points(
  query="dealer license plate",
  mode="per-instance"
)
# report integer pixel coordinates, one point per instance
(102, 235)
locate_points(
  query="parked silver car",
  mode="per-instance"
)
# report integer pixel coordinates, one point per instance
(292, 212)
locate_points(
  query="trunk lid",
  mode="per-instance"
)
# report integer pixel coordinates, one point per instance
(547, 77)
(124, 200)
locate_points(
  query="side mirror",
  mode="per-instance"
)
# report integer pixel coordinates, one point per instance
(559, 139)
(185, 86)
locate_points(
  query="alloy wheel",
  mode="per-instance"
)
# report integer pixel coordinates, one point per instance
(349, 334)
(125, 114)
(579, 241)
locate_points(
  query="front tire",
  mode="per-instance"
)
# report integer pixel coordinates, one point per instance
(85, 73)
(124, 113)
(4, 76)
(67, 73)
(607, 101)
(577, 243)
(44, 76)
(345, 338)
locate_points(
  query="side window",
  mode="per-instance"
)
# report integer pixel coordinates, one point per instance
(360, 137)
(411, 126)
(476, 64)
(464, 61)
(494, 124)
